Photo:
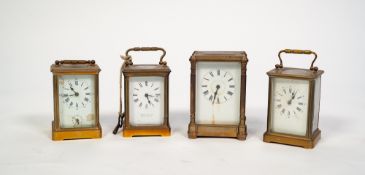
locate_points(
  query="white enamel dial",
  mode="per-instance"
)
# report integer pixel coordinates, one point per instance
(146, 100)
(289, 106)
(218, 92)
(76, 101)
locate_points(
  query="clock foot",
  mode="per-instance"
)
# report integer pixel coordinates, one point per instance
(242, 132)
(293, 140)
(192, 131)
(208, 130)
(165, 132)
(86, 133)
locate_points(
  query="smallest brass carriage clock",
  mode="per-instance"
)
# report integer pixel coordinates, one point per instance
(146, 97)
(76, 100)
(294, 100)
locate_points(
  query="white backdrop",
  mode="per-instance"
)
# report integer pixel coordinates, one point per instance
(33, 34)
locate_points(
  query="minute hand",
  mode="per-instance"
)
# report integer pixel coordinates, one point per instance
(215, 93)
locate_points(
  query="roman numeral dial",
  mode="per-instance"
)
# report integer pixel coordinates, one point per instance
(75, 93)
(289, 101)
(146, 94)
(218, 86)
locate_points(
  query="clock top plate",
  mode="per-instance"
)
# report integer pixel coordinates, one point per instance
(295, 73)
(72, 68)
(145, 68)
(219, 56)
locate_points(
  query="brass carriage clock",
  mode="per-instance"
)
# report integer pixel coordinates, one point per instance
(294, 96)
(218, 94)
(146, 97)
(76, 100)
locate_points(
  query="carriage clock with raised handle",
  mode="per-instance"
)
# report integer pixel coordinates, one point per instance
(218, 94)
(76, 100)
(293, 106)
(146, 97)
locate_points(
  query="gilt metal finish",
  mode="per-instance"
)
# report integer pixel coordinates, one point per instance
(218, 130)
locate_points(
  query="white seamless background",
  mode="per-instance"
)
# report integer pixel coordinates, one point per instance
(33, 34)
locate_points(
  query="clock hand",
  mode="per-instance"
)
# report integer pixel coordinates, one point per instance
(146, 95)
(216, 92)
(292, 98)
(72, 89)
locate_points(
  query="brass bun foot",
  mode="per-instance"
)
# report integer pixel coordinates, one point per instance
(292, 140)
(68, 135)
(192, 131)
(146, 132)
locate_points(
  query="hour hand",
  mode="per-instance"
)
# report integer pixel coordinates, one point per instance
(146, 95)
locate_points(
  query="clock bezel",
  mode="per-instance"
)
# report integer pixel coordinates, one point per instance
(218, 130)
(75, 67)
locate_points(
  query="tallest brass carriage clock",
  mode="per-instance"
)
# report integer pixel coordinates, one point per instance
(294, 96)
(218, 94)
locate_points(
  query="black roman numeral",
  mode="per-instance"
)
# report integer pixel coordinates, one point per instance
(206, 92)
(230, 93)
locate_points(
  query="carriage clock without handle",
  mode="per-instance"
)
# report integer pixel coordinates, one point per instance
(146, 97)
(218, 94)
(76, 100)
(293, 105)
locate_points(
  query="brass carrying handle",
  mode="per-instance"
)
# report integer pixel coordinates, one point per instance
(58, 62)
(148, 49)
(296, 51)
